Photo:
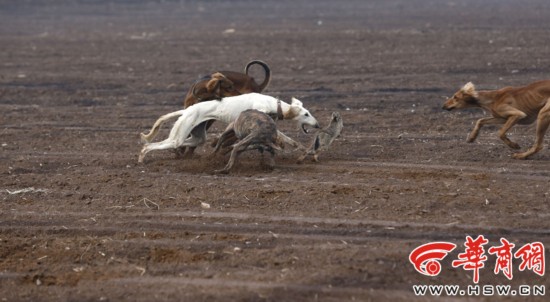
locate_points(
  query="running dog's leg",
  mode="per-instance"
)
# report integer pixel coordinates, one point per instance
(271, 161)
(543, 121)
(165, 144)
(287, 140)
(512, 120)
(179, 132)
(484, 121)
(222, 141)
(198, 137)
(237, 149)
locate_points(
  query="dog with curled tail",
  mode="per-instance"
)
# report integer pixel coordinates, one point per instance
(219, 85)
(225, 110)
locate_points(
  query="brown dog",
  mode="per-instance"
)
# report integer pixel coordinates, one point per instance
(226, 83)
(254, 130)
(509, 106)
(219, 85)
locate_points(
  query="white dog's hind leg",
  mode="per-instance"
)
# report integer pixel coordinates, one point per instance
(179, 132)
(165, 144)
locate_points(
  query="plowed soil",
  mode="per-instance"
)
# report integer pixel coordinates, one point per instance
(81, 220)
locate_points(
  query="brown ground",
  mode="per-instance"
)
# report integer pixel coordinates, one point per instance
(79, 80)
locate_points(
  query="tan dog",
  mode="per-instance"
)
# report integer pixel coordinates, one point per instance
(219, 85)
(508, 106)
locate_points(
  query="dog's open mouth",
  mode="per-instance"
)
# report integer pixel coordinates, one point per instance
(306, 130)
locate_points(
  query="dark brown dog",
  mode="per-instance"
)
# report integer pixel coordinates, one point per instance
(508, 106)
(254, 130)
(219, 85)
(226, 83)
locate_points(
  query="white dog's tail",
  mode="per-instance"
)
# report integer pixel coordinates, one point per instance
(146, 138)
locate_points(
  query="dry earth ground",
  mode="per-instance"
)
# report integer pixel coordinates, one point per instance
(79, 80)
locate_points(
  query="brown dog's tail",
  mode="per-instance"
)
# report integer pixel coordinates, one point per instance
(267, 70)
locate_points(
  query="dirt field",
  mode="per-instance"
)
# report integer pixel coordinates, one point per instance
(81, 220)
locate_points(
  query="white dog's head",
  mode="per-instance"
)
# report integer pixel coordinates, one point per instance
(298, 113)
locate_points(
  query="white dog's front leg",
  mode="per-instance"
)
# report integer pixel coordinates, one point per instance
(197, 137)
(192, 141)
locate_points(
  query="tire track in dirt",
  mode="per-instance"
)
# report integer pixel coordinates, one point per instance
(516, 169)
(288, 227)
(248, 284)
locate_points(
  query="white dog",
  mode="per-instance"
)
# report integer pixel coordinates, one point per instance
(225, 110)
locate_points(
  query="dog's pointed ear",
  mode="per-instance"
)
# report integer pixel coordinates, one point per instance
(293, 111)
(469, 88)
(296, 102)
(213, 84)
